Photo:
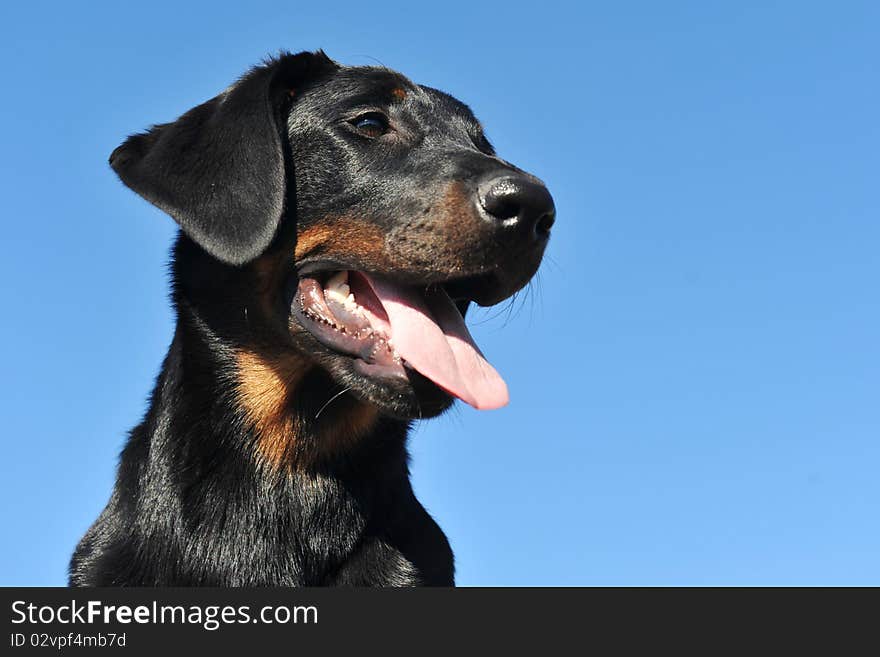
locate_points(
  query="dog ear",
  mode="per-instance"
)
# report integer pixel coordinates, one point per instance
(219, 169)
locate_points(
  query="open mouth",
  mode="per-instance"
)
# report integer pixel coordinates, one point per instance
(389, 327)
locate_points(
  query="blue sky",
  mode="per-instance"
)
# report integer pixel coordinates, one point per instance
(695, 379)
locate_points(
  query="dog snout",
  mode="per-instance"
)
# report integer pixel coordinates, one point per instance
(519, 206)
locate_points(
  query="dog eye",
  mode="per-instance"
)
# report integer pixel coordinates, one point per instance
(371, 124)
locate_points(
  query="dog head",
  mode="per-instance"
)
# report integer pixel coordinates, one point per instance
(344, 218)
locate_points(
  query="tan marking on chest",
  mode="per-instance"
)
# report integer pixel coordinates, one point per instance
(267, 388)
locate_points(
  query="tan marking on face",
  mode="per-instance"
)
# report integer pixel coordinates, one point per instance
(267, 388)
(450, 238)
(342, 236)
(399, 93)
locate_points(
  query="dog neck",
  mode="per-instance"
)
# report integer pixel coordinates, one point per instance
(223, 456)
(282, 411)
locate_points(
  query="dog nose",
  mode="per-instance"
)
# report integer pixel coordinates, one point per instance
(517, 201)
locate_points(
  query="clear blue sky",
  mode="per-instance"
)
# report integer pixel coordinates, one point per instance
(695, 382)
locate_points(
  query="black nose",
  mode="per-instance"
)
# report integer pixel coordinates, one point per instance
(517, 201)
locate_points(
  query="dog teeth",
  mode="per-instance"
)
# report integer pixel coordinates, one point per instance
(335, 295)
(338, 290)
(338, 279)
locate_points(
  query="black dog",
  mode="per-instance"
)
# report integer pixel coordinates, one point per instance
(336, 223)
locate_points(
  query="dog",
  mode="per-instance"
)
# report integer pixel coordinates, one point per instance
(335, 224)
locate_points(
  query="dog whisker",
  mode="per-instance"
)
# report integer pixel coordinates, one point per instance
(331, 400)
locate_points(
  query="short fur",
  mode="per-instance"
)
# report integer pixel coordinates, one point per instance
(264, 458)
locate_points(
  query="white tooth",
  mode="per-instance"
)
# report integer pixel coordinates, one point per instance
(343, 290)
(337, 280)
(330, 293)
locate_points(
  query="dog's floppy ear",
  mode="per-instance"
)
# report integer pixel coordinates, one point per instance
(219, 169)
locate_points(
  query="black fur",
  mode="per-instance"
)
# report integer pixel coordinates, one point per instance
(203, 496)
(219, 169)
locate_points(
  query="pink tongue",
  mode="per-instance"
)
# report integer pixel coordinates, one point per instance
(436, 342)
